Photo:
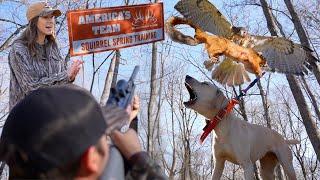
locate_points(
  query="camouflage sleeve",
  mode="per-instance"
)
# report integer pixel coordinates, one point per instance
(26, 74)
(65, 66)
(144, 168)
(63, 81)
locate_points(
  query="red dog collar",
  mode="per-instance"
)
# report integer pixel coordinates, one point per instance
(217, 118)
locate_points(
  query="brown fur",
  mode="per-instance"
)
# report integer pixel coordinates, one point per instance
(217, 46)
(176, 35)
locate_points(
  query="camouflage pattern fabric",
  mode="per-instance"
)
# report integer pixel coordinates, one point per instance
(29, 72)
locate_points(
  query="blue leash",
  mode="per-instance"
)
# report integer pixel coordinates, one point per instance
(244, 92)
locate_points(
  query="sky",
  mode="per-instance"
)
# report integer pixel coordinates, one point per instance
(141, 55)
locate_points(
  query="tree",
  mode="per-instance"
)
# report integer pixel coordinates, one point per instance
(109, 79)
(302, 36)
(308, 121)
(152, 112)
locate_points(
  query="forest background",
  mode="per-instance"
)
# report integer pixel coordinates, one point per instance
(169, 131)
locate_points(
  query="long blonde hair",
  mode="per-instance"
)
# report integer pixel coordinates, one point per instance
(30, 34)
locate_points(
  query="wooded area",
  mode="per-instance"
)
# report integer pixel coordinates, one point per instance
(170, 132)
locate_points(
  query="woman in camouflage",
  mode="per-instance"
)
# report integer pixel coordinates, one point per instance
(34, 58)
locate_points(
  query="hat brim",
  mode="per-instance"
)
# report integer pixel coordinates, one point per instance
(54, 12)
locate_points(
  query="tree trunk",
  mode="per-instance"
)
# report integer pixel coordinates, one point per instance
(93, 72)
(189, 163)
(173, 161)
(305, 42)
(312, 98)
(159, 104)
(108, 82)
(152, 100)
(308, 122)
(152, 115)
(116, 69)
(302, 35)
(185, 137)
(265, 105)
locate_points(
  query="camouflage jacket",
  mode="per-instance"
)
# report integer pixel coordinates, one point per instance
(29, 72)
(144, 168)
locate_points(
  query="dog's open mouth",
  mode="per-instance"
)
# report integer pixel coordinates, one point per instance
(193, 95)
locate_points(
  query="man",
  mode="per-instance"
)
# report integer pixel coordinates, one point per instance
(60, 133)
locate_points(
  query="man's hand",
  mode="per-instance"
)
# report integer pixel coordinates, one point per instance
(74, 69)
(133, 109)
(128, 142)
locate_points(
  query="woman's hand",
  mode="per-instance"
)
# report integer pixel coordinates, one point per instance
(74, 69)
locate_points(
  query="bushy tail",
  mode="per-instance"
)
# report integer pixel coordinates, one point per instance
(176, 35)
(230, 73)
(292, 141)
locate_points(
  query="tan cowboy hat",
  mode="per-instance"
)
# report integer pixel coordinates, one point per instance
(41, 9)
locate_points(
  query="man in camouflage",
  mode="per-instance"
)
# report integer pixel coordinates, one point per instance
(62, 132)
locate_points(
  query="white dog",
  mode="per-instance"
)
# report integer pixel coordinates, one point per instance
(236, 140)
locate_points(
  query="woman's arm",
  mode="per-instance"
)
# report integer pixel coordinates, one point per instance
(26, 74)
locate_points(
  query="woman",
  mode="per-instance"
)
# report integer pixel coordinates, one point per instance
(34, 58)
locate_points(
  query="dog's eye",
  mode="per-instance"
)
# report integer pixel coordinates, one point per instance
(205, 83)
